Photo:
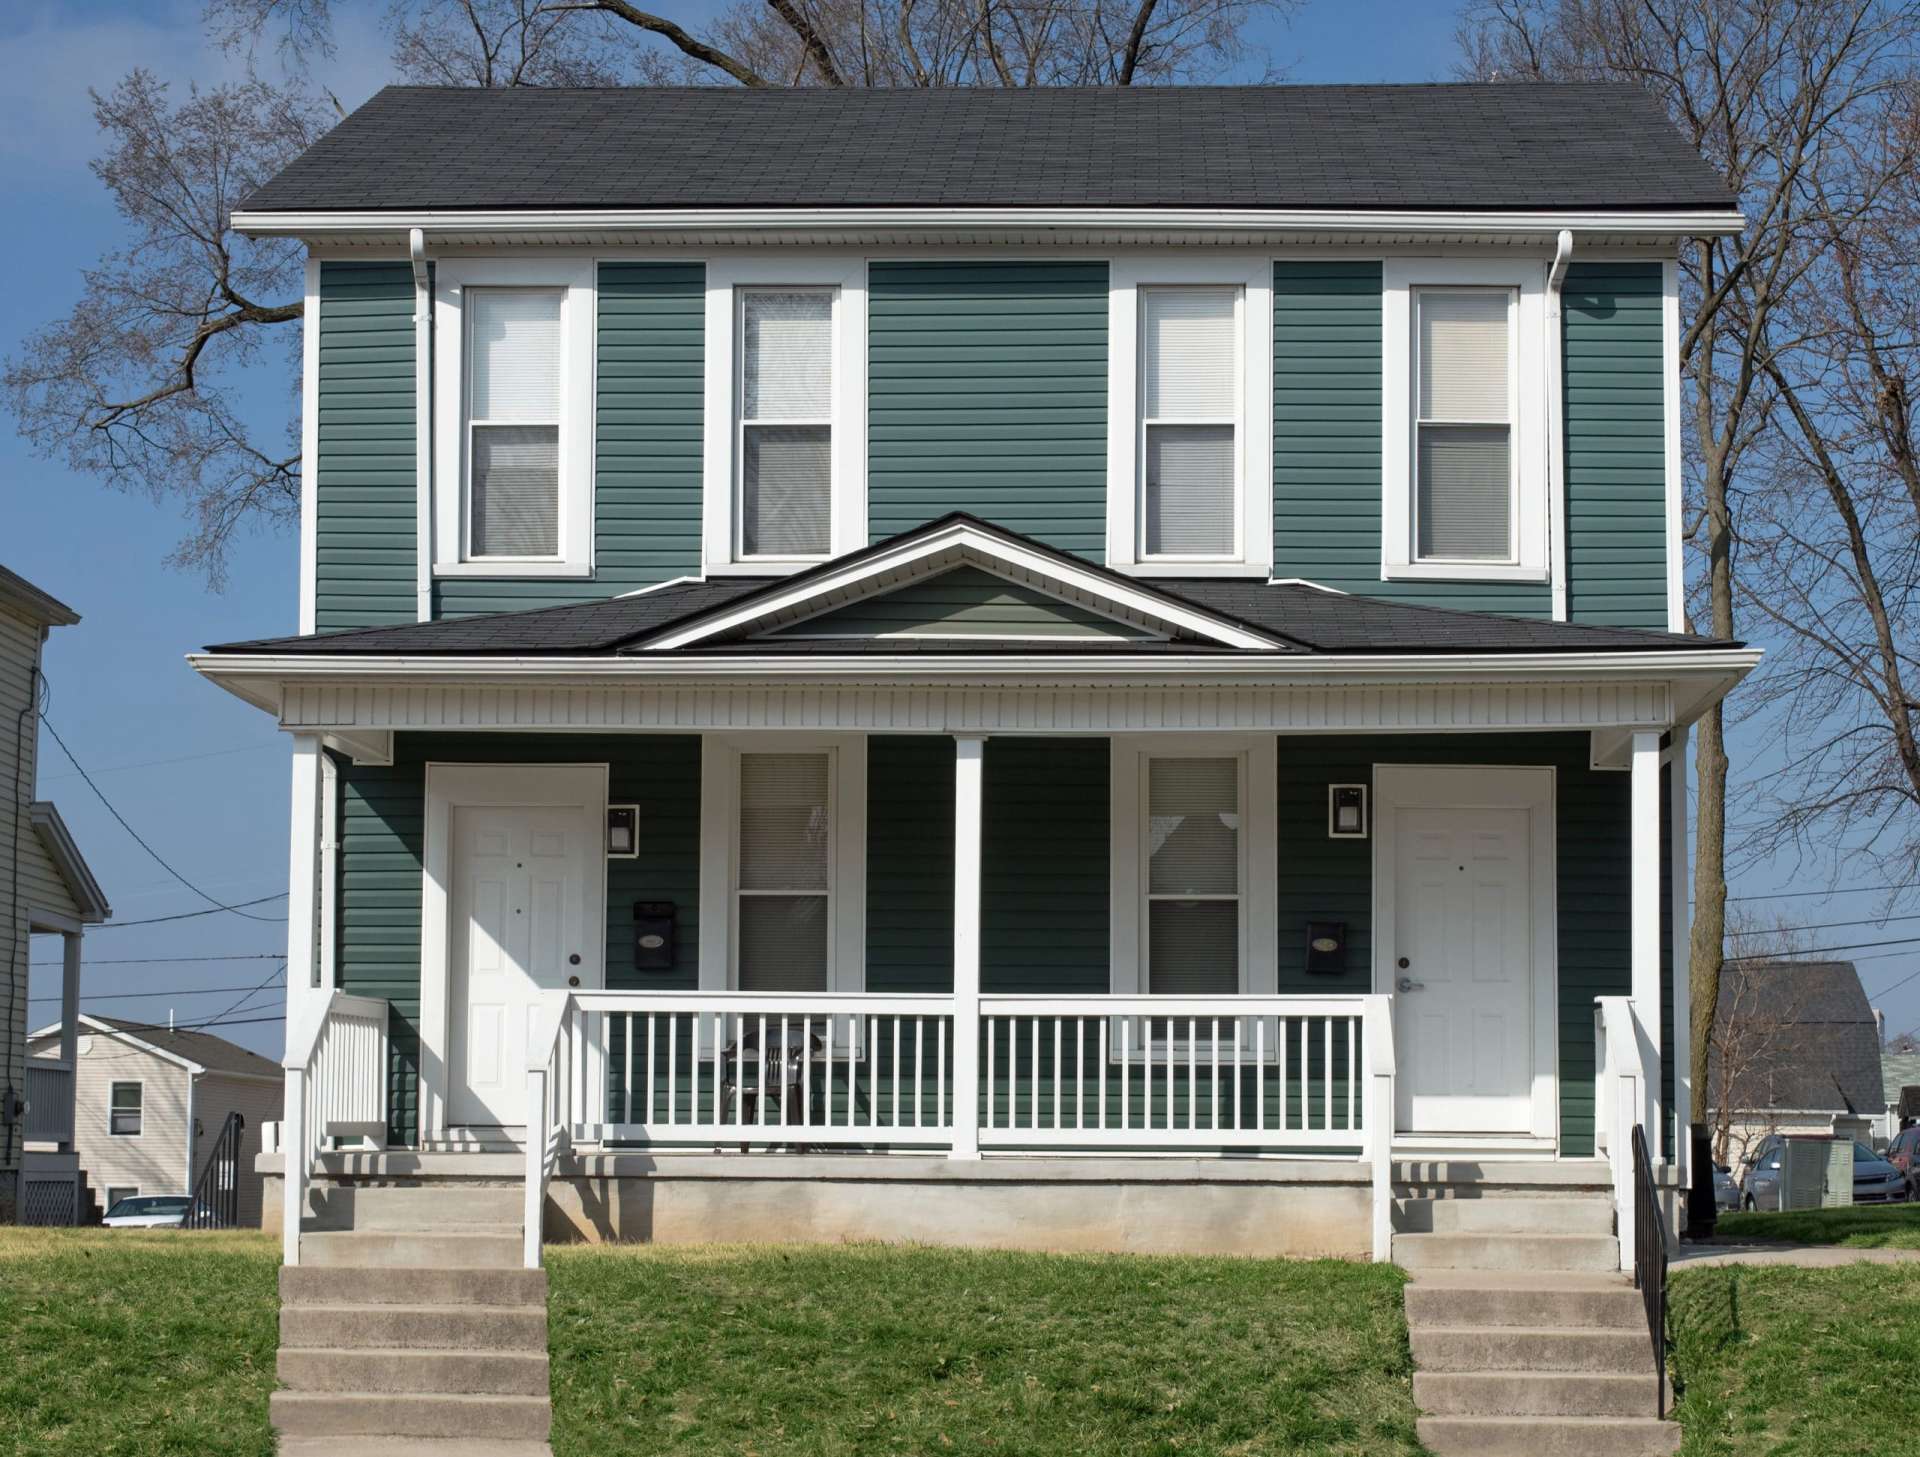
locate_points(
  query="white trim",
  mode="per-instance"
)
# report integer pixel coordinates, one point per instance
(720, 852)
(1670, 436)
(423, 386)
(969, 800)
(106, 1029)
(472, 784)
(1555, 357)
(310, 447)
(1128, 757)
(303, 890)
(1252, 276)
(1534, 788)
(961, 543)
(1401, 280)
(141, 1084)
(1644, 914)
(1682, 1052)
(576, 280)
(727, 273)
(1533, 225)
(655, 587)
(78, 877)
(328, 888)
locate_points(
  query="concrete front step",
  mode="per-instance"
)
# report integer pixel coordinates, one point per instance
(1534, 1394)
(1494, 1214)
(414, 1208)
(348, 1414)
(373, 1285)
(1531, 1348)
(1461, 1298)
(416, 1372)
(363, 1446)
(1590, 1253)
(390, 1249)
(408, 1327)
(1540, 1437)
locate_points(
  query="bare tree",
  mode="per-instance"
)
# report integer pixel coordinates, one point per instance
(1762, 88)
(1758, 1034)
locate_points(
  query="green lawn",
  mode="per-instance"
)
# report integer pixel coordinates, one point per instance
(873, 1349)
(1772, 1361)
(1861, 1227)
(118, 1343)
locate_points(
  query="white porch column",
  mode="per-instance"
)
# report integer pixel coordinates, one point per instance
(1682, 1152)
(969, 781)
(70, 998)
(303, 856)
(1645, 922)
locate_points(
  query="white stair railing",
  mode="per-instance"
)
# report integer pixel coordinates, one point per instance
(551, 1100)
(1622, 1098)
(336, 1067)
(1380, 1115)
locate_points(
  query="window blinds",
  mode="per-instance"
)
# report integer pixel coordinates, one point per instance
(786, 414)
(1189, 404)
(513, 410)
(1463, 456)
(1193, 876)
(785, 841)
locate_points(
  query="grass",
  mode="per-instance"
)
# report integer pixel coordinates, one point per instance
(1860, 1227)
(118, 1343)
(811, 1352)
(1772, 1361)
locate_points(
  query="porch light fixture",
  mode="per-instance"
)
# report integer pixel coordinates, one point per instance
(1347, 811)
(623, 831)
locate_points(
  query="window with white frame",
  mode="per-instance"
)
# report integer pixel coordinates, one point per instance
(124, 1109)
(1194, 875)
(117, 1192)
(1463, 457)
(512, 418)
(783, 889)
(1189, 423)
(784, 448)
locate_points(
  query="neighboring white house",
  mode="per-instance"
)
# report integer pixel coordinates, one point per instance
(45, 889)
(150, 1100)
(1900, 1087)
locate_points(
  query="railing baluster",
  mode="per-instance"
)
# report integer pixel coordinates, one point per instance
(673, 1067)
(1213, 1090)
(1353, 1069)
(1079, 1072)
(653, 1067)
(919, 1066)
(1033, 1086)
(1101, 1073)
(1193, 1074)
(1326, 1075)
(1126, 1061)
(993, 1067)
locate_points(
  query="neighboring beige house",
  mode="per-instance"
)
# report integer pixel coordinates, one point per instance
(45, 889)
(150, 1100)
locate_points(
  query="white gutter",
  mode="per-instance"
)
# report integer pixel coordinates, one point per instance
(1688, 222)
(422, 426)
(1556, 427)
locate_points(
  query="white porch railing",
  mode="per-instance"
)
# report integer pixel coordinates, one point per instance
(49, 1101)
(1622, 1098)
(1093, 1074)
(336, 1065)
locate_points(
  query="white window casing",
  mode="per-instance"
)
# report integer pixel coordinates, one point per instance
(126, 1114)
(1464, 441)
(513, 418)
(783, 835)
(785, 403)
(1190, 415)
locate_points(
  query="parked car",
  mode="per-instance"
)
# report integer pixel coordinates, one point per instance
(1875, 1181)
(157, 1211)
(1726, 1189)
(1904, 1154)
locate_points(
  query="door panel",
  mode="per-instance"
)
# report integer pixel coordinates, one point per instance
(1462, 921)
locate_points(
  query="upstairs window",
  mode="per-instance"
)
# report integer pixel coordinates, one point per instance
(1189, 419)
(124, 1109)
(785, 442)
(513, 423)
(1463, 458)
(1193, 876)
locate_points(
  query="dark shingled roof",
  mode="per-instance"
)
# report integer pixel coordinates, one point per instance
(215, 1054)
(1579, 145)
(1795, 1034)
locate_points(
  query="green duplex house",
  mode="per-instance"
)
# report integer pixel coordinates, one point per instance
(1088, 668)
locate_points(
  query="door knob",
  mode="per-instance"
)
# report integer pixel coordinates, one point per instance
(1408, 984)
(1403, 963)
(573, 981)
(574, 960)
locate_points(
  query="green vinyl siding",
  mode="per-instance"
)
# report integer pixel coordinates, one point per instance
(365, 495)
(966, 602)
(910, 863)
(381, 844)
(1616, 445)
(649, 386)
(1044, 871)
(987, 392)
(1327, 879)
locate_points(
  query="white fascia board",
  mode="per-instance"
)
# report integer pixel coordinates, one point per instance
(107, 1029)
(965, 538)
(1278, 221)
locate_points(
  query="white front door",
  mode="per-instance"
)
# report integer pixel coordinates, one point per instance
(1464, 946)
(520, 924)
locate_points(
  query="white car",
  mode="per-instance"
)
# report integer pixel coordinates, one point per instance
(152, 1211)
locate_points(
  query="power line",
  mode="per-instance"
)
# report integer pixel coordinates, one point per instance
(130, 996)
(176, 759)
(1846, 890)
(213, 901)
(1826, 925)
(229, 1011)
(1875, 996)
(279, 895)
(172, 960)
(1821, 950)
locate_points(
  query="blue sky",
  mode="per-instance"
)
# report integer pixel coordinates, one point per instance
(203, 777)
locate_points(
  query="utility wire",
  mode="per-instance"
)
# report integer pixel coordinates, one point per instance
(1826, 925)
(171, 960)
(1821, 950)
(131, 996)
(1875, 996)
(176, 759)
(1843, 890)
(213, 901)
(279, 895)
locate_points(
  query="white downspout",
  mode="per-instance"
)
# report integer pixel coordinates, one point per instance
(422, 425)
(1556, 427)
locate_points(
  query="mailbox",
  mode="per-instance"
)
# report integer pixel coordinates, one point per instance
(653, 935)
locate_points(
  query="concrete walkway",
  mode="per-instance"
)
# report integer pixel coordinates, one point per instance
(1805, 1257)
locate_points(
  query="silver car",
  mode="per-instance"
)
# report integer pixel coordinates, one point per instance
(1875, 1181)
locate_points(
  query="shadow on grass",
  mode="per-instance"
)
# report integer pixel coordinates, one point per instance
(1861, 1226)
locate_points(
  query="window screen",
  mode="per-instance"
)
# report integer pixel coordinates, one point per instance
(123, 1109)
(1193, 876)
(1463, 450)
(1189, 408)
(784, 882)
(786, 422)
(513, 422)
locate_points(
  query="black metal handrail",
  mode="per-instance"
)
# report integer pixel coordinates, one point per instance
(215, 1199)
(1650, 1257)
